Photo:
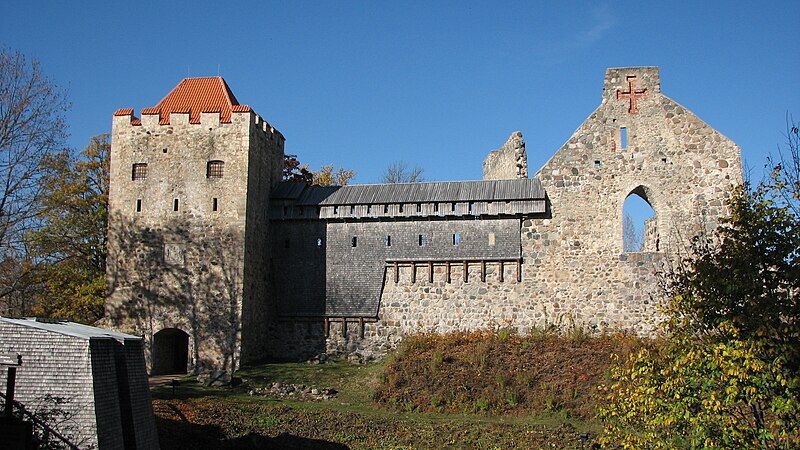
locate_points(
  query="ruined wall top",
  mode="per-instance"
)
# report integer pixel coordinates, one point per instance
(507, 162)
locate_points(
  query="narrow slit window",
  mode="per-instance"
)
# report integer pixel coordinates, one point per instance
(175, 205)
(319, 242)
(335, 210)
(352, 210)
(419, 207)
(386, 209)
(456, 238)
(491, 239)
(215, 169)
(369, 209)
(623, 137)
(138, 205)
(388, 240)
(139, 171)
(422, 240)
(354, 241)
(452, 207)
(214, 204)
(436, 207)
(472, 207)
(401, 207)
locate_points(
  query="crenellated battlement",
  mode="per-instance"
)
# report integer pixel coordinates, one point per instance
(151, 118)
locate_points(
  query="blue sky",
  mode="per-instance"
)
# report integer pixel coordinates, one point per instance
(437, 84)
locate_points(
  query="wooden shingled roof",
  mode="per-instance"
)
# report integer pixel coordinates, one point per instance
(446, 191)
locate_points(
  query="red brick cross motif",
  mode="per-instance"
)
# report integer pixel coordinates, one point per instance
(633, 94)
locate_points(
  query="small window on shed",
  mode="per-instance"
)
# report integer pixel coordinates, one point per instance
(369, 209)
(215, 169)
(354, 241)
(419, 207)
(472, 207)
(491, 239)
(401, 207)
(452, 207)
(436, 207)
(352, 210)
(336, 210)
(139, 171)
(386, 209)
(456, 238)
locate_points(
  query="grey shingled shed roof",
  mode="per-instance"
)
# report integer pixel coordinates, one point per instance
(446, 191)
(70, 329)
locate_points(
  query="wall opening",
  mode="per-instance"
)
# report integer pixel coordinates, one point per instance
(623, 137)
(175, 205)
(354, 242)
(639, 232)
(456, 238)
(388, 241)
(214, 204)
(170, 352)
(138, 205)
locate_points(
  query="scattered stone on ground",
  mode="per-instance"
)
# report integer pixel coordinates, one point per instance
(294, 391)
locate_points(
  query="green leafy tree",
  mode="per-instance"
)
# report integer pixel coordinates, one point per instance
(728, 372)
(71, 243)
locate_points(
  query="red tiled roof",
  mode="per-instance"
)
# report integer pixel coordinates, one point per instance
(124, 112)
(196, 95)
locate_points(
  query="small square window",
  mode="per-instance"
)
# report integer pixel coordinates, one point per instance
(664, 160)
(139, 171)
(597, 164)
(215, 169)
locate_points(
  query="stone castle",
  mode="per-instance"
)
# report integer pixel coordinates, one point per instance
(217, 262)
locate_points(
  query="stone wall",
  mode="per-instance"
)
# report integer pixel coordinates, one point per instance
(574, 270)
(197, 265)
(507, 162)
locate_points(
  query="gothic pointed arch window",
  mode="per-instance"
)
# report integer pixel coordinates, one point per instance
(639, 222)
(215, 169)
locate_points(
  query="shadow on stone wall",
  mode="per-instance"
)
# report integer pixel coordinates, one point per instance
(180, 275)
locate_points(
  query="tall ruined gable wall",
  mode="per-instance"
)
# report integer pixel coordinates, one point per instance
(685, 169)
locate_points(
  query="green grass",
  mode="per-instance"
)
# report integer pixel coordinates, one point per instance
(351, 417)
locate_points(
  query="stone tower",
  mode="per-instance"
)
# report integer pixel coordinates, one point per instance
(188, 226)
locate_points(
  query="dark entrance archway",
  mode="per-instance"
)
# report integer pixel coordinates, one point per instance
(170, 351)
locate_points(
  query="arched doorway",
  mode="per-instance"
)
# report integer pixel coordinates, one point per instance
(639, 232)
(170, 351)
